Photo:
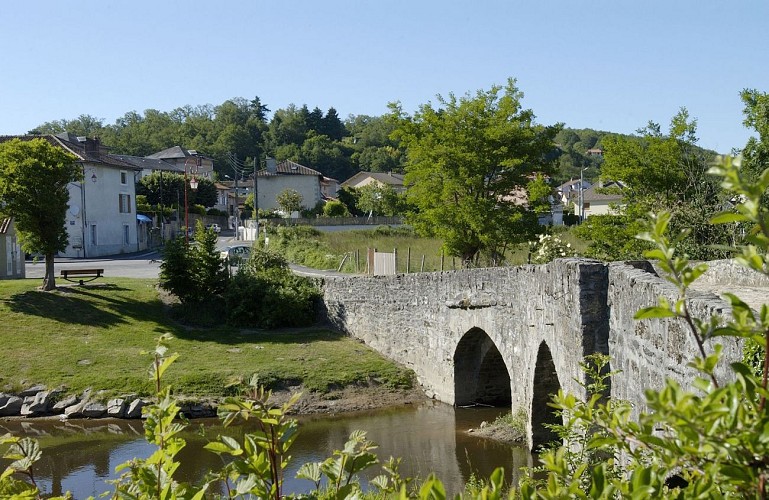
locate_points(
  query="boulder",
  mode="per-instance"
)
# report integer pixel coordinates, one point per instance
(135, 409)
(65, 403)
(10, 405)
(37, 405)
(116, 408)
(94, 410)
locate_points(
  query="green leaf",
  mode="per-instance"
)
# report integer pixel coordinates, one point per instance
(654, 312)
(728, 217)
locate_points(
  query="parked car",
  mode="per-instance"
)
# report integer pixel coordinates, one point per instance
(217, 229)
(236, 254)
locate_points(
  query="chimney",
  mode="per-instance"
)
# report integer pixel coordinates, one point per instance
(272, 165)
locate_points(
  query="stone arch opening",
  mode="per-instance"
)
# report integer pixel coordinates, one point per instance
(480, 374)
(546, 384)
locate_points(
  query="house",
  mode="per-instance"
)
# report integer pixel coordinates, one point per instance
(181, 158)
(101, 218)
(600, 199)
(329, 188)
(382, 178)
(11, 256)
(277, 177)
(568, 192)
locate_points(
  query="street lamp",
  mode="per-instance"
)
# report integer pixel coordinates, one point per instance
(193, 185)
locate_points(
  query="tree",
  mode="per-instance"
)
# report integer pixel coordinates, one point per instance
(33, 189)
(467, 159)
(290, 201)
(660, 172)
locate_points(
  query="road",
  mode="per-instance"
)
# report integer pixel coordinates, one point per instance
(140, 265)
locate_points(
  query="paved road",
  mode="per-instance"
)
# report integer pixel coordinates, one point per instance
(141, 265)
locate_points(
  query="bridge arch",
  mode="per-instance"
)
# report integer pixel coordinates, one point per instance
(546, 384)
(480, 373)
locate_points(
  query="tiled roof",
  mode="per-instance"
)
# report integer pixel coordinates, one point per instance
(149, 163)
(90, 151)
(383, 177)
(288, 167)
(594, 193)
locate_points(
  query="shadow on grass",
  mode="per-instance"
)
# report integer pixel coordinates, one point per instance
(84, 305)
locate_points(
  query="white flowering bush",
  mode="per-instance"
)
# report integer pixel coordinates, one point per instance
(549, 247)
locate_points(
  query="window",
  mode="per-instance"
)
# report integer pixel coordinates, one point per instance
(125, 203)
(123, 177)
(126, 234)
(94, 241)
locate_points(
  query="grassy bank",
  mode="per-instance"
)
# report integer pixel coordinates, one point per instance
(95, 336)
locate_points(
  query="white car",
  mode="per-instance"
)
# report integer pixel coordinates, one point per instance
(236, 255)
(217, 229)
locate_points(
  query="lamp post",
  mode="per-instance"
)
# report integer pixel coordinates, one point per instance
(193, 185)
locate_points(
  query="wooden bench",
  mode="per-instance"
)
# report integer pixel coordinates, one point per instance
(92, 274)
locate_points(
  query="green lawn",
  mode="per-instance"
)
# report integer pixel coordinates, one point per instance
(97, 336)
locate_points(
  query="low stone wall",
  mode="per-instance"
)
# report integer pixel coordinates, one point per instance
(646, 352)
(39, 402)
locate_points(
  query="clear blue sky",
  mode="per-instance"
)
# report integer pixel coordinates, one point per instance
(609, 65)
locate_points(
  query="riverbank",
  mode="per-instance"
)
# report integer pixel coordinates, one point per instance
(101, 339)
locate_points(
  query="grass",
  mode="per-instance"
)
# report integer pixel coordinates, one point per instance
(97, 336)
(328, 250)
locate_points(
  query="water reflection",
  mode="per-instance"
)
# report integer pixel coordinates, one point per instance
(78, 456)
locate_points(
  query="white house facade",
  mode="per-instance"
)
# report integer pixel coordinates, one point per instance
(101, 217)
(12, 265)
(278, 177)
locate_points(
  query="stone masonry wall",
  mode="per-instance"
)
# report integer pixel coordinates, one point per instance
(418, 319)
(648, 351)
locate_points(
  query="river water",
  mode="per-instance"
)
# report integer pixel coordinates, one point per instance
(79, 455)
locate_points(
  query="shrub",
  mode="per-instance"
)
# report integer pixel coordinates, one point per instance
(266, 294)
(336, 208)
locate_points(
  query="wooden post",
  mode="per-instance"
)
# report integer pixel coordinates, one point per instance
(441, 260)
(395, 260)
(408, 259)
(422, 266)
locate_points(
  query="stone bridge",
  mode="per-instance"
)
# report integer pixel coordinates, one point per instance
(513, 336)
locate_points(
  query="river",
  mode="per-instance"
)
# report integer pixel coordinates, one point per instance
(79, 455)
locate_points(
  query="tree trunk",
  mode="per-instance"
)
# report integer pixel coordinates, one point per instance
(49, 281)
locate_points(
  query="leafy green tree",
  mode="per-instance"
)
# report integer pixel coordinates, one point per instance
(168, 189)
(379, 199)
(349, 196)
(289, 201)
(33, 190)
(756, 152)
(660, 171)
(467, 159)
(83, 125)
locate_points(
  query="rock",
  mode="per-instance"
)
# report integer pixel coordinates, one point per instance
(116, 408)
(65, 403)
(11, 406)
(198, 410)
(135, 409)
(484, 424)
(32, 391)
(94, 410)
(37, 405)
